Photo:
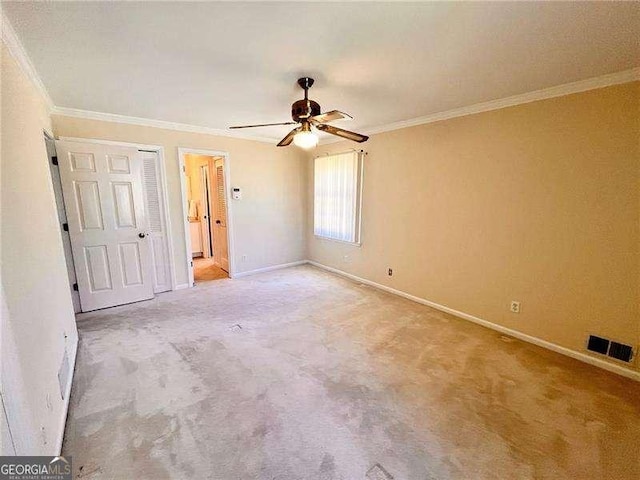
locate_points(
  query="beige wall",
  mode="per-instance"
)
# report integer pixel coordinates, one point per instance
(35, 302)
(268, 223)
(538, 203)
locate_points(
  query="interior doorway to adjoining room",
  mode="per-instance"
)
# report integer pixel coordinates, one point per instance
(205, 199)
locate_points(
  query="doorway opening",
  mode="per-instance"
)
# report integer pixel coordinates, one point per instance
(205, 198)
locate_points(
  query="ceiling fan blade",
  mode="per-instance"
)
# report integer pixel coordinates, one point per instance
(264, 125)
(356, 137)
(331, 116)
(289, 138)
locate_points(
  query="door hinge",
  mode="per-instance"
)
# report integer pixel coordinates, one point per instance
(54, 160)
(184, 169)
(75, 287)
(65, 227)
(192, 264)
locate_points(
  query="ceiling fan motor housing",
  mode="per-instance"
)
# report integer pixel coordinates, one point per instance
(303, 109)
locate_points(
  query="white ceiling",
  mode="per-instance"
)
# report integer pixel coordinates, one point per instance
(220, 64)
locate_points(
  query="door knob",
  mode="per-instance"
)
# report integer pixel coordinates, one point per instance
(142, 235)
(218, 222)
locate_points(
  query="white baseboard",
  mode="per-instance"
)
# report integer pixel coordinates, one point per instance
(67, 396)
(269, 269)
(597, 362)
(181, 286)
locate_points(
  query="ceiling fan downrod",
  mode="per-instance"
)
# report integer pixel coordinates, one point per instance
(305, 83)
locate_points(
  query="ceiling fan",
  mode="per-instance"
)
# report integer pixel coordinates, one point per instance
(306, 112)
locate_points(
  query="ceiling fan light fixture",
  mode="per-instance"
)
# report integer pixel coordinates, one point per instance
(305, 138)
(307, 112)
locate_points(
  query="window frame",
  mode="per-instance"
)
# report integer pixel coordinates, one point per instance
(360, 154)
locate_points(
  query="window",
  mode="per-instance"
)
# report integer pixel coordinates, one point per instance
(337, 196)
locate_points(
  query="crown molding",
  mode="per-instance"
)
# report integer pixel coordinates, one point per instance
(617, 78)
(602, 81)
(149, 122)
(15, 47)
(625, 76)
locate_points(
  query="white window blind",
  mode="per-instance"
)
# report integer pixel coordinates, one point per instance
(337, 191)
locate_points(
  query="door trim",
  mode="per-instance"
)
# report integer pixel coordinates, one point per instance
(182, 151)
(163, 193)
(56, 181)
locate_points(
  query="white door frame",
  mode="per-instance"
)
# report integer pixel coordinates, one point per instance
(182, 151)
(164, 194)
(56, 180)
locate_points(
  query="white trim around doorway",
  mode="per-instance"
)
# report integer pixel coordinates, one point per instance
(182, 151)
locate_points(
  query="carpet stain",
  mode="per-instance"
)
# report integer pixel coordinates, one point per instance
(377, 472)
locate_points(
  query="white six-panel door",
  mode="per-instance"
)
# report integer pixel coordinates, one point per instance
(103, 194)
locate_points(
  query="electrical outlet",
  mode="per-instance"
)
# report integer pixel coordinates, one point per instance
(515, 306)
(244, 258)
(390, 272)
(346, 258)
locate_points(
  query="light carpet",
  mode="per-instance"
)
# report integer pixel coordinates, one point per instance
(301, 374)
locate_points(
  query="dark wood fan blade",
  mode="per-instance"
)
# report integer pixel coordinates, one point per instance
(331, 116)
(356, 137)
(289, 138)
(264, 125)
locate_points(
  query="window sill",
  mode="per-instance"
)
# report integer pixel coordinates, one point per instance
(344, 242)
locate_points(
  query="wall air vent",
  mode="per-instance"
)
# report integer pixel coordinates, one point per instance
(63, 373)
(612, 349)
(621, 351)
(598, 344)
